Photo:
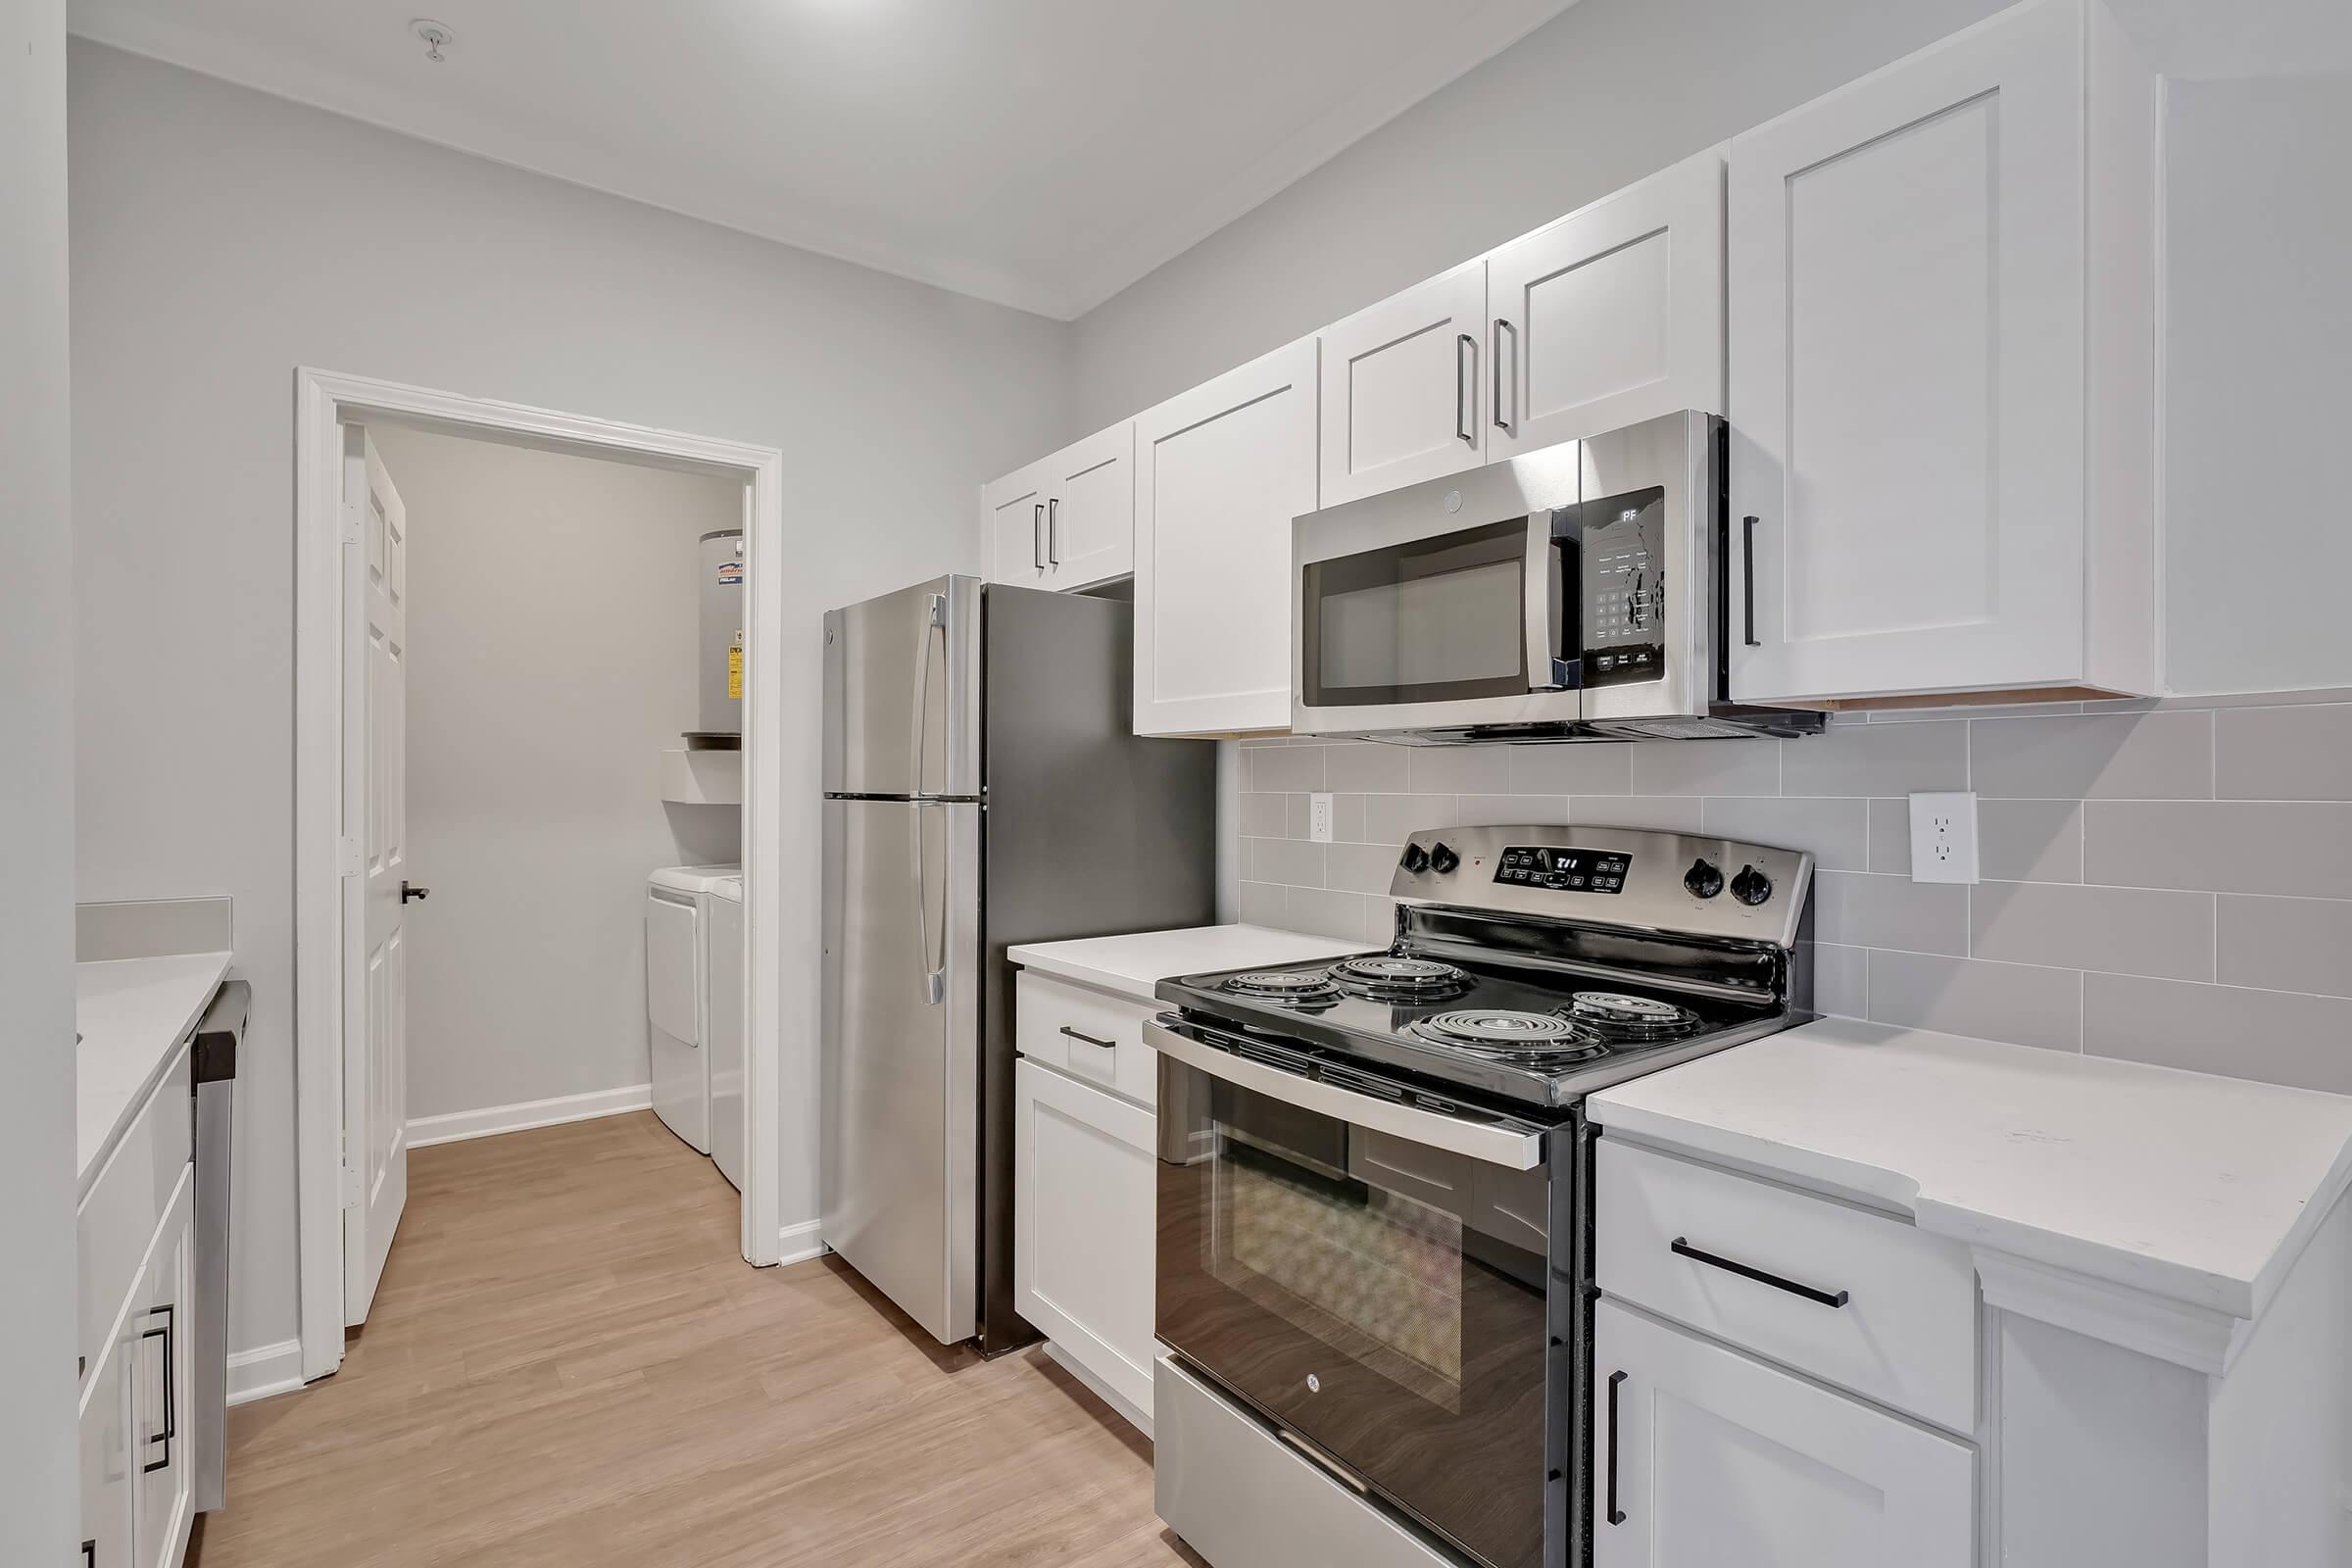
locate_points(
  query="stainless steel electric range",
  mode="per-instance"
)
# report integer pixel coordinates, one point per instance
(1374, 1203)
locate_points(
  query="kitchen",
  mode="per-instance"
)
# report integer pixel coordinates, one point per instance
(2152, 803)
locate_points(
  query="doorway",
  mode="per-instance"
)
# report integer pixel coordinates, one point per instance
(369, 624)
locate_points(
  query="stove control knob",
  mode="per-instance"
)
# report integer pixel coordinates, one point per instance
(1443, 859)
(1704, 880)
(1751, 886)
(1416, 858)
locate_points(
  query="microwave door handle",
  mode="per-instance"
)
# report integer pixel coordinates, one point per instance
(1555, 577)
(1491, 1140)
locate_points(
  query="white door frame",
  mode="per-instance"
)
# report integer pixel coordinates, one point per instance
(324, 914)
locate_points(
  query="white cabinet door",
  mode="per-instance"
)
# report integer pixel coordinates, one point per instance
(1907, 373)
(1611, 316)
(1219, 473)
(1012, 514)
(1082, 1204)
(162, 1372)
(109, 1491)
(1401, 388)
(1090, 509)
(1703, 1457)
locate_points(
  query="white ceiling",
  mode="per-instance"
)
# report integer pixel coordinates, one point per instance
(1039, 153)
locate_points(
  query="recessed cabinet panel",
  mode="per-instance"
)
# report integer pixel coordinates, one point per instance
(1402, 390)
(109, 1494)
(1611, 316)
(1083, 1259)
(1013, 514)
(1090, 509)
(1220, 473)
(1909, 373)
(1703, 1457)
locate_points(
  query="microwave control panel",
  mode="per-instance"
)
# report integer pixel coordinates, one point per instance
(1567, 869)
(1624, 559)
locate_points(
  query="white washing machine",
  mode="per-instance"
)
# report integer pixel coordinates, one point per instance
(722, 1005)
(677, 946)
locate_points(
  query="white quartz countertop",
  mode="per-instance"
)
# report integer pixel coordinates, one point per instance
(2199, 1188)
(1132, 965)
(131, 1012)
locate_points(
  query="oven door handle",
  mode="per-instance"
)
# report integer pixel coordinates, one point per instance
(1488, 1140)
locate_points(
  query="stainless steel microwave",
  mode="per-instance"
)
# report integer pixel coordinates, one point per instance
(1574, 592)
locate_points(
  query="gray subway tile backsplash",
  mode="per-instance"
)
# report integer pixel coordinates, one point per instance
(2102, 848)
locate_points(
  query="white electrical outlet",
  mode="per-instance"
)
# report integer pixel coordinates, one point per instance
(1943, 837)
(1318, 817)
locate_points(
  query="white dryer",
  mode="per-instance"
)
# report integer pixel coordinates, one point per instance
(678, 962)
(723, 1008)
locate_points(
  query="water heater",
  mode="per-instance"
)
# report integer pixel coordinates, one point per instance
(721, 664)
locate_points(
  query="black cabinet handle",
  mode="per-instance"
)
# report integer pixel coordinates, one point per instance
(1616, 1514)
(1747, 569)
(1106, 1044)
(171, 1430)
(1825, 1298)
(89, 1555)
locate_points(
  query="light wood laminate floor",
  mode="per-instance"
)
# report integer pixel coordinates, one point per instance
(568, 1364)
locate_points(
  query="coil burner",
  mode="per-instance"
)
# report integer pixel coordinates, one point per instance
(1391, 977)
(1293, 988)
(1618, 1016)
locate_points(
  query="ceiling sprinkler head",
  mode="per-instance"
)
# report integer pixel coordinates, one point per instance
(435, 35)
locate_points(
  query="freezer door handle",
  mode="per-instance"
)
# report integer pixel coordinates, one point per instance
(934, 950)
(920, 743)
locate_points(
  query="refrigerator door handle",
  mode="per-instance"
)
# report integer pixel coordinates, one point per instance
(920, 743)
(934, 954)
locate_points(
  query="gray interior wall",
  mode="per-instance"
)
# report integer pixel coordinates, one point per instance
(2258, 208)
(220, 238)
(37, 1477)
(553, 614)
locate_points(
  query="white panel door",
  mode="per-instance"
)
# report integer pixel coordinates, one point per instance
(1401, 388)
(1907, 373)
(1611, 316)
(1012, 516)
(1090, 509)
(1703, 1459)
(163, 1383)
(1220, 471)
(1083, 1169)
(108, 1473)
(375, 1071)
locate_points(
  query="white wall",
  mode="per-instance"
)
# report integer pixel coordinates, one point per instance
(37, 1485)
(221, 238)
(553, 615)
(2259, 326)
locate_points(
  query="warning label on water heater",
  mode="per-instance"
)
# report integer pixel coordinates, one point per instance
(730, 574)
(735, 672)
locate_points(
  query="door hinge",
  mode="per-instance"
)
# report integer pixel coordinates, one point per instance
(347, 854)
(351, 1188)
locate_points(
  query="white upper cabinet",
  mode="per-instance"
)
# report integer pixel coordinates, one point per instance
(1402, 389)
(1219, 473)
(1611, 316)
(1941, 375)
(1067, 521)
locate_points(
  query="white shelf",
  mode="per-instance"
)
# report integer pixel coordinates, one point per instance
(702, 778)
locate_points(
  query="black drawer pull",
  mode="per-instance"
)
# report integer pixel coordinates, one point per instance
(89, 1555)
(1825, 1298)
(168, 1333)
(1616, 1514)
(1106, 1044)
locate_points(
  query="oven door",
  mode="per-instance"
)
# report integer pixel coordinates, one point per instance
(1370, 1274)
(1443, 603)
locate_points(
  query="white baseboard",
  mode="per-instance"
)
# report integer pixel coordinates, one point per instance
(265, 1370)
(797, 1244)
(491, 1120)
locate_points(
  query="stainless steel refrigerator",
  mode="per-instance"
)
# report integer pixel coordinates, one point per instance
(983, 788)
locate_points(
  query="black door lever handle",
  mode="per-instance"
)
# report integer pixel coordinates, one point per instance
(407, 892)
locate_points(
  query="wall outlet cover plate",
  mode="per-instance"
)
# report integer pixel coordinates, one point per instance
(1943, 837)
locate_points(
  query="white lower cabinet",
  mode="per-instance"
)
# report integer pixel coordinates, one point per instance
(137, 1464)
(1704, 1457)
(1083, 1179)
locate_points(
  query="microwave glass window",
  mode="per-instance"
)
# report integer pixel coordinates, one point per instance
(1625, 587)
(1427, 620)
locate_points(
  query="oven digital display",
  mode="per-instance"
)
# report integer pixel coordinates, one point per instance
(1570, 870)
